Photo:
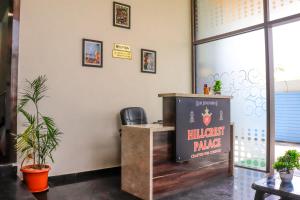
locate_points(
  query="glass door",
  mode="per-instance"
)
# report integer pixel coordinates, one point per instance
(239, 61)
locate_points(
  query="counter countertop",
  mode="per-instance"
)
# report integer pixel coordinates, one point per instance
(193, 95)
(152, 127)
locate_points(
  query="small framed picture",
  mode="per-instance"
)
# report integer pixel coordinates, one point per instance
(121, 15)
(148, 61)
(92, 53)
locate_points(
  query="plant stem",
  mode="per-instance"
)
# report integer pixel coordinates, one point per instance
(37, 132)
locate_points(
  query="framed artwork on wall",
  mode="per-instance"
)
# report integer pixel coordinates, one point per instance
(148, 61)
(92, 53)
(122, 15)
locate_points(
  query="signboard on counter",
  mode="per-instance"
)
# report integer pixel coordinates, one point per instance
(122, 51)
(202, 127)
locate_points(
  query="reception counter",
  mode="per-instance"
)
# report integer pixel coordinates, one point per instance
(194, 144)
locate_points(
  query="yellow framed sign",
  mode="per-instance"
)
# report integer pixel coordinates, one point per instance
(122, 51)
(122, 54)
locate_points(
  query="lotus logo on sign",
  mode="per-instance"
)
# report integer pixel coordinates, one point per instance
(206, 117)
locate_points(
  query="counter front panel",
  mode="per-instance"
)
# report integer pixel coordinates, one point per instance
(202, 127)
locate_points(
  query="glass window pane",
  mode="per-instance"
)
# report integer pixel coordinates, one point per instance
(239, 62)
(286, 42)
(214, 17)
(283, 8)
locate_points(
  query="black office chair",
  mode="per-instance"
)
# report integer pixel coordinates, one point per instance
(133, 116)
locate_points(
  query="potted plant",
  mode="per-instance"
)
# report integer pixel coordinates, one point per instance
(40, 137)
(286, 164)
(217, 87)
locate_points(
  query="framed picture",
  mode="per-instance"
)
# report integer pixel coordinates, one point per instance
(121, 15)
(92, 53)
(148, 60)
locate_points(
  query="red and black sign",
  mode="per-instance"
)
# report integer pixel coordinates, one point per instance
(202, 127)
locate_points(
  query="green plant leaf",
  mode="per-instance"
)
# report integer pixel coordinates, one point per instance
(289, 161)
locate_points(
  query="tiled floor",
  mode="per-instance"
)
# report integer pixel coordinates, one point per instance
(14, 189)
(235, 188)
(108, 188)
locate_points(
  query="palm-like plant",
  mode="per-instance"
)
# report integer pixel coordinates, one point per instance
(41, 135)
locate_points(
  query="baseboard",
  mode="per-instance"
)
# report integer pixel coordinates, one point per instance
(82, 176)
(8, 171)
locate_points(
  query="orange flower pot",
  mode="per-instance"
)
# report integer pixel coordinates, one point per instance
(36, 179)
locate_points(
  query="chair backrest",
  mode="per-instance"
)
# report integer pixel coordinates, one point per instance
(133, 115)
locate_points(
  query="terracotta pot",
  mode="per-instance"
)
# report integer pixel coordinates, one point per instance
(36, 179)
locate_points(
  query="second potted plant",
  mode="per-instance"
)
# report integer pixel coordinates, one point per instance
(217, 87)
(286, 164)
(39, 139)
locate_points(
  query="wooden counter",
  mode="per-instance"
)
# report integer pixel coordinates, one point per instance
(151, 167)
(150, 127)
(139, 151)
(148, 168)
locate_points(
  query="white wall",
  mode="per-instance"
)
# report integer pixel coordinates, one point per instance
(86, 101)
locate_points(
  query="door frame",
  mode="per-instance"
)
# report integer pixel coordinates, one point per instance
(14, 23)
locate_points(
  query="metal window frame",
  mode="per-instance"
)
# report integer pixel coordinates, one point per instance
(267, 26)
